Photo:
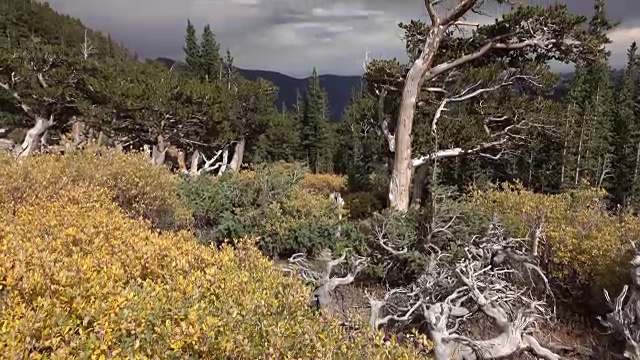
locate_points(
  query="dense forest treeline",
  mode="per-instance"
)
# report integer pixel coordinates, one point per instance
(416, 155)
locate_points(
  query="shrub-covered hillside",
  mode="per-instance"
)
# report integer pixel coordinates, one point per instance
(83, 276)
(457, 212)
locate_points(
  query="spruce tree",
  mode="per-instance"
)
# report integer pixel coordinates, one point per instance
(210, 50)
(623, 148)
(593, 107)
(192, 51)
(316, 133)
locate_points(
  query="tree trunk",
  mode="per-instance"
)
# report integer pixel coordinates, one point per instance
(400, 183)
(34, 136)
(238, 154)
(579, 153)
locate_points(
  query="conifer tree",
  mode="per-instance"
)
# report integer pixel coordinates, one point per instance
(210, 52)
(593, 102)
(192, 51)
(316, 133)
(623, 154)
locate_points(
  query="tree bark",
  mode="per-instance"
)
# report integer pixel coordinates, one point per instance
(238, 154)
(400, 184)
(34, 136)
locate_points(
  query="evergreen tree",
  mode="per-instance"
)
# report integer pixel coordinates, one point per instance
(623, 152)
(193, 56)
(591, 104)
(210, 52)
(316, 133)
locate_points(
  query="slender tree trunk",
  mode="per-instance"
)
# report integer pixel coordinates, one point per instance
(238, 155)
(637, 164)
(579, 153)
(530, 168)
(565, 148)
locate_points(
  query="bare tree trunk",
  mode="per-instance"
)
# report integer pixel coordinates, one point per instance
(530, 168)
(579, 153)
(238, 154)
(564, 152)
(636, 168)
(225, 161)
(101, 139)
(34, 136)
(400, 183)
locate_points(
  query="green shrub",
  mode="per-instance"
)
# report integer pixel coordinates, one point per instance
(270, 202)
(578, 231)
(324, 183)
(80, 279)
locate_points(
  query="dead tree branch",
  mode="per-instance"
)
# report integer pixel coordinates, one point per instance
(450, 292)
(323, 280)
(624, 320)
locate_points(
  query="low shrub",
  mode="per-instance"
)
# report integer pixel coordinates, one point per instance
(80, 279)
(324, 183)
(270, 202)
(140, 189)
(578, 231)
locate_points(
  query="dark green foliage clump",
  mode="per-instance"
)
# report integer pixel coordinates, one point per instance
(267, 202)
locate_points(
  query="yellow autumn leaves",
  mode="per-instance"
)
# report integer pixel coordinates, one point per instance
(81, 278)
(584, 243)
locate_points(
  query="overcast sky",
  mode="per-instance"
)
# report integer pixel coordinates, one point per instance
(292, 36)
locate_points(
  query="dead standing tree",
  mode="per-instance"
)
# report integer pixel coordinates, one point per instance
(470, 285)
(552, 33)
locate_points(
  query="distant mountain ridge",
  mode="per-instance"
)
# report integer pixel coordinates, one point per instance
(339, 88)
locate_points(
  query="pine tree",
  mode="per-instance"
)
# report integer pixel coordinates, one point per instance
(210, 51)
(593, 107)
(316, 133)
(633, 73)
(623, 147)
(192, 50)
(228, 70)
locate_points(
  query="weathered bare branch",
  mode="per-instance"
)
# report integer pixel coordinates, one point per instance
(324, 281)
(454, 152)
(448, 293)
(624, 320)
(384, 124)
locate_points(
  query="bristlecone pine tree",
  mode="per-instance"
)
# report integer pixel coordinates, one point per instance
(542, 33)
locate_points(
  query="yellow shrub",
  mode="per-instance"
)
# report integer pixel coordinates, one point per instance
(80, 279)
(139, 188)
(583, 241)
(324, 183)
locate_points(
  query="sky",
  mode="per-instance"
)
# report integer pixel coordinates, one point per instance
(293, 36)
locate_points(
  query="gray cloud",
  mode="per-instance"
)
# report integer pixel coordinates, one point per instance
(292, 36)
